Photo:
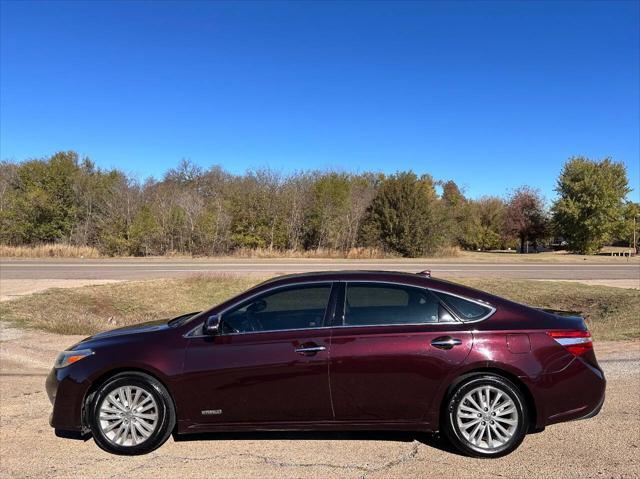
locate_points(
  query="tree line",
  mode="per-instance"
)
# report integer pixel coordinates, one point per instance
(65, 198)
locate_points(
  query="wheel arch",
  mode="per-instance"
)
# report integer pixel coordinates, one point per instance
(106, 375)
(532, 411)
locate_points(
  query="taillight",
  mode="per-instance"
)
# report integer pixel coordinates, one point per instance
(576, 342)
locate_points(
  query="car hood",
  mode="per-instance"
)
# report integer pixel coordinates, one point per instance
(148, 327)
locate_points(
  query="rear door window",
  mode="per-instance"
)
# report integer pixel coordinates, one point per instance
(371, 304)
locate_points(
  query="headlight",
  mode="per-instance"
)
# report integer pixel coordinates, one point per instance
(69, 357)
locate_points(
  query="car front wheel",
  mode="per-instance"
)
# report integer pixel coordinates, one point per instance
(131, 413)
(486, 416)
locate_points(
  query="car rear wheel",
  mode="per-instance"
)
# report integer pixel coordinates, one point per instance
(131, 413)
(486, 416)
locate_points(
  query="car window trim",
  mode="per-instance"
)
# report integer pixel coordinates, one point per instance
(339, 309)
(192, 332)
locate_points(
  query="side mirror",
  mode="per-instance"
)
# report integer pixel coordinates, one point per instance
(211, 325)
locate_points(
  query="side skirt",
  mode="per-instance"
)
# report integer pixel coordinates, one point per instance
(185, 427)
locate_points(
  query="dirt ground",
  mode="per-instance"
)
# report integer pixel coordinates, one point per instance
(606, 446)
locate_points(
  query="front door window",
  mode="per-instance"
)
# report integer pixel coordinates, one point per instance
(298, 307)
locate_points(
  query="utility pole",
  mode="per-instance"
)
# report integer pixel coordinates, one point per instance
(635, 249)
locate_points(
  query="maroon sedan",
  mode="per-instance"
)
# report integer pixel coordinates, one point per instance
(334, 351)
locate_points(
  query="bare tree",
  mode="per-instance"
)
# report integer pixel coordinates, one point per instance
(525, 216)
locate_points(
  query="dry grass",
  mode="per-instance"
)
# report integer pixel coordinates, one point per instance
(612, 313)
(353, 253)
(445, 254)
(448, 252)
(547, 257)
(49, 251)
(69, 251)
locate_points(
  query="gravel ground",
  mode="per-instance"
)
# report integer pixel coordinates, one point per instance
(606, 446)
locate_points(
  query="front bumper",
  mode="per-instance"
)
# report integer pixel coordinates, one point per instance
(66, 394)
(51, 386)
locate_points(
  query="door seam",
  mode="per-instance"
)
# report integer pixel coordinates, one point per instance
(333, 410)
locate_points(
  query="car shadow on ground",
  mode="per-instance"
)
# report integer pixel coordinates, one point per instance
(432, 440)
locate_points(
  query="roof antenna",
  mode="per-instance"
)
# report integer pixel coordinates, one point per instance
(426, 272)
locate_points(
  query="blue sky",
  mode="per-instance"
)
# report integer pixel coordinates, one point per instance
(492, 95)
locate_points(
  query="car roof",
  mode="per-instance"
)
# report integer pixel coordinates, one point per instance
(422, 278)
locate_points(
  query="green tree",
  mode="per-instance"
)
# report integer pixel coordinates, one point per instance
(93, 189)
(453, 213)
(630, 223)
(402, 215)
(485, 227)
(65, 198)
(257, 217)
(591, 202)
(8, 228)
(327, 214)
(120, 205)
(43, 205)
(144, 232)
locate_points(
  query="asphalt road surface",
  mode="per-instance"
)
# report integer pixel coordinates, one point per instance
(606, 446)
(145, 269)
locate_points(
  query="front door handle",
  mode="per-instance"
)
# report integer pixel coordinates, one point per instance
(445, 342)
(309, 350)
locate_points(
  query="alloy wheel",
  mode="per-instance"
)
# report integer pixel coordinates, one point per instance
(487, 418)
(128, 416)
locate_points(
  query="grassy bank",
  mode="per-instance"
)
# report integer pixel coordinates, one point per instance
(90, 309)
(612, 313)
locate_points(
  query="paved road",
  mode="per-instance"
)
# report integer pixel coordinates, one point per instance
(145, 269)
(603, 447)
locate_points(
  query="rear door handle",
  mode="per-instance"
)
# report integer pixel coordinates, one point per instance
(309, 350)
(445, 342)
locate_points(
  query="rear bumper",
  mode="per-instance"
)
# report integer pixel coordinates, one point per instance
(595, 410)
(576, 392)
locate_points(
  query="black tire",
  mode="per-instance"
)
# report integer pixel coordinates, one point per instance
(453, 432)
(166, 416)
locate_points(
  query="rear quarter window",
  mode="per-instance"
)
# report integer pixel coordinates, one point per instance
(465, 309)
